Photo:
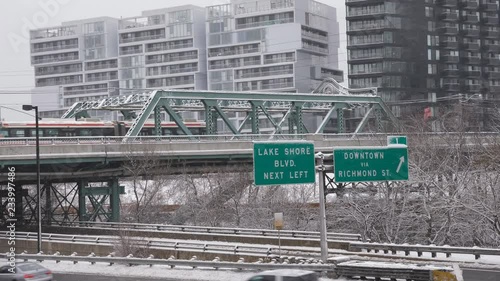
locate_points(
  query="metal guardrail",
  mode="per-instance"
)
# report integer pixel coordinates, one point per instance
(154, 139)
(215, 230)
(352, 269)
(153, 243)
(172, 262)
(419, 249)
(195, 247)
(31, 141)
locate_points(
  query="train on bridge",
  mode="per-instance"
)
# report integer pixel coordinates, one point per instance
(91, 127)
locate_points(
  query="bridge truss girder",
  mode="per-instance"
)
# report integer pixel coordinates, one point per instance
(217, 105)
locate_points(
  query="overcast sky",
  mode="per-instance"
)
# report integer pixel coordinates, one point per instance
(18, 16)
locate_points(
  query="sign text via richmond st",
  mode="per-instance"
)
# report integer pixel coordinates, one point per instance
(277, 163)
(371, 164)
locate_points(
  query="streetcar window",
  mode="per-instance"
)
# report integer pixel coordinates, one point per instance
(4, 133)
(195, 131)
(40, 133)
(85, 132)
(51, 132)
(97, 132)
(109, 132)
(17, 133)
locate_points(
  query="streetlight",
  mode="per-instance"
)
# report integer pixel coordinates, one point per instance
(38, 199)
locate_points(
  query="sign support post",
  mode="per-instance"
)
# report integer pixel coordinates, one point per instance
(322, 211)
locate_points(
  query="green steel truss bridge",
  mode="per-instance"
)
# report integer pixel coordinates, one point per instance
(92, 170)
(328, 100)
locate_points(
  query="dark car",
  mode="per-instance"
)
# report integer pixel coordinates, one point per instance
(285, 275)
(25, 271)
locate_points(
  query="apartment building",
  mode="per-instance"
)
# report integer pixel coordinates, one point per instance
(258, 45)
(76, 61)
(271, 45)
(435, 50)
(164, 48)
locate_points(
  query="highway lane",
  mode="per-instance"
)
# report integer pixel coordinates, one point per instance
(91, 277)
(481, 274)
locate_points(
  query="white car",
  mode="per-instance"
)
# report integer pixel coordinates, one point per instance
(285, 275)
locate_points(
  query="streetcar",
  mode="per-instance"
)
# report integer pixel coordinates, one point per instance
(91, 127)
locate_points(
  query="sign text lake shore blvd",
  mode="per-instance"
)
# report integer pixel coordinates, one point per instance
(371, 164)
(278, 163)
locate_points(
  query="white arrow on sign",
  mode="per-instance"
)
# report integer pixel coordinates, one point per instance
(401, 161)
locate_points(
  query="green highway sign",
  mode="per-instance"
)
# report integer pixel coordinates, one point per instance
(371, 164)
(276, 163)
(396, 140)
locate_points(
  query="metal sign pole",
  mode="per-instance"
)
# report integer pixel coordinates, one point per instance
(322, 212)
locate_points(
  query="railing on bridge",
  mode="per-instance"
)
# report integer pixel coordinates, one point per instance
(215, 230)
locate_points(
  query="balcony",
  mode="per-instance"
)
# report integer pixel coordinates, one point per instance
(315, 49)
(130, 51)
(42, 72)
(53, 33)
(314, 36)
(446, 30)
(124, 40)
(171, 59)
(233, 52)
(55, 48)
(154, 83)
(101, 66)
(470, 18)
(101, 78)
(447, 16)
(468, 4)
(489, 7)
(490, 34)
(470, 32)
(451, 87)
(450, 72)
(168, 47)
(240, 75)
(471, 60)
(471, 46)
(139, 22)
(490, 20)
(276, 86)
(366, 13)
(494, 88)
(173, 71)
(472, 88)
(491, 61)
(449, 44)
(57, 59)
(471, 73)
(492, 74)
(447, 3)
(450, 59)
(264, 23)
(490, 47)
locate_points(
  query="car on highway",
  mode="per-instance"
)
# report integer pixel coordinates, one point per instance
(285, 275)
(25, 271)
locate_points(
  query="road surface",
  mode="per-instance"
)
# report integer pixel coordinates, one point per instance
(90, 277)
(481, 274)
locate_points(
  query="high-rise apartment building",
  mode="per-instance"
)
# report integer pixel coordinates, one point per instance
(433, 50)
(271, 45)
(163, 48)
(76, 61)
(247, 45)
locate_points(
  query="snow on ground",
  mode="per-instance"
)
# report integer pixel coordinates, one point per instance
(157, 271)
(484, 259)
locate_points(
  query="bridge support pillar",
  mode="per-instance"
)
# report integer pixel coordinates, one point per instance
(48, 202)
(115, 200)
(82, 207)
(19, 212)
